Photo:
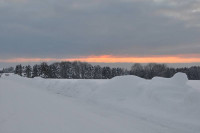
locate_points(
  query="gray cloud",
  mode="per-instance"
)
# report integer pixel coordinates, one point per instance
(64, 28)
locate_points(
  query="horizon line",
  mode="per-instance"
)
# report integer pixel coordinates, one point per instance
(114, 59)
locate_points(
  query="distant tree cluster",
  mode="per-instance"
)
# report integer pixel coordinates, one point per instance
(151, 70)
(193, 73)
(69, 70)
(82, 70)
(161, 70)
(7, 70)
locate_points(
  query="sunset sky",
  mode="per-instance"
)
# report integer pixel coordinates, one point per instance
(109, 31)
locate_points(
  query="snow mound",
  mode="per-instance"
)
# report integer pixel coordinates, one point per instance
(128, 78)
(180, 78)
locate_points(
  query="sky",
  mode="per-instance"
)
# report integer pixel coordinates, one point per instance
(108, 31)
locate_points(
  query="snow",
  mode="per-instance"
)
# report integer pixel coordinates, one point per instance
(125, 104)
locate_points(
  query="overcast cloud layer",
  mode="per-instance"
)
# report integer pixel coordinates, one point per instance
(69, 28)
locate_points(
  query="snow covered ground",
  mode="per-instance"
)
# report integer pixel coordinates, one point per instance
(126, 104)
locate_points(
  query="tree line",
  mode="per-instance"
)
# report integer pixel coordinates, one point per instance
(69, 70)
(83, 70)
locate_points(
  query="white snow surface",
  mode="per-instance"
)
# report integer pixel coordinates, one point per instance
(125, 104)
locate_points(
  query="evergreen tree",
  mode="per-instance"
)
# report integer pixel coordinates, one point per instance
(54, 70)
(18, 70)
(28, 71)
(97, 72)
(106, 73)
(76, 72)
(35, 71)
(44, 68)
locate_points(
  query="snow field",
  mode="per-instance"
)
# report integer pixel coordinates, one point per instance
(123, 104)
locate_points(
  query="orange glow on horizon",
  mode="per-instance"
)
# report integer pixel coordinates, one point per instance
(114, 59)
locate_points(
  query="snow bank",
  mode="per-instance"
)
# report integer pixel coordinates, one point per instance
(160, 96)
(161, 101)
(170, 96)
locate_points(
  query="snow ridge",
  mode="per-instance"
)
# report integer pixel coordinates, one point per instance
(159, 105)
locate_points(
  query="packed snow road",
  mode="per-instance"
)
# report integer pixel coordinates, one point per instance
(121, 105)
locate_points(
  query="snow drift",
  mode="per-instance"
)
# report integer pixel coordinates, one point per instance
(166, 105)
(168, 95)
